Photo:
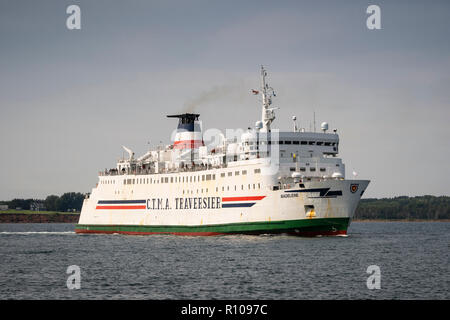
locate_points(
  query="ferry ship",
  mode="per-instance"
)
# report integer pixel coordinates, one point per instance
(260, 181)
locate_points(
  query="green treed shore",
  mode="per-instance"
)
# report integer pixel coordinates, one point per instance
(404, 208)
(68, 202)
(398, 208)
(61, 209)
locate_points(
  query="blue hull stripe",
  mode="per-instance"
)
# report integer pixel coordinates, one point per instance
(121, 201)
(237, 205)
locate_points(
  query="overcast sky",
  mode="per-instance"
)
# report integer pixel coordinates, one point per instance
(71, 98)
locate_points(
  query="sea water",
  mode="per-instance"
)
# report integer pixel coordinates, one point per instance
(412, 259)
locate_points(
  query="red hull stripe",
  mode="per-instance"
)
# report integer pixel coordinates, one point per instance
(242, 198)
(301, 233)
(121, 207)
(150, 233)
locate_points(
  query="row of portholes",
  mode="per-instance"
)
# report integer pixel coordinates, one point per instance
(250, 186)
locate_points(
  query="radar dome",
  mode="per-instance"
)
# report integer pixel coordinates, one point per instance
(324, 126)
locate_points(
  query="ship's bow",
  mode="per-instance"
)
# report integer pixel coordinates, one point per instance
(329, 205)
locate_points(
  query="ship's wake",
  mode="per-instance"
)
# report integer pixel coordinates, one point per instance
(37, 232)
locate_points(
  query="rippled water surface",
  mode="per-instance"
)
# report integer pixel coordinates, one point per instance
(413, 258)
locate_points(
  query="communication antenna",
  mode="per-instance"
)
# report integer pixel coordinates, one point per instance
(294, 118)
(267, 92)
(314, 119)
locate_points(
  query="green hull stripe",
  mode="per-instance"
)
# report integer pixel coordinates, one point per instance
(304, 225)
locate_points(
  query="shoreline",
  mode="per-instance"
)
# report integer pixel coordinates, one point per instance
(49, 217)
(68, 217)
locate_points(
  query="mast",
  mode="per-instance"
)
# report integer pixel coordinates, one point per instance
(268, 114)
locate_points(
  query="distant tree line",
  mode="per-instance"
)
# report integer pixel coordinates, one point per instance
(422, 207)
(67, 202)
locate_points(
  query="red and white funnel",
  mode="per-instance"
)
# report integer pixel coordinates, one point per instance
(189, 133)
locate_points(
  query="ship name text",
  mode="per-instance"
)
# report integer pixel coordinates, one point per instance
(184, 203)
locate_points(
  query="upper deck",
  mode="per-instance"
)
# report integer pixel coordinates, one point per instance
(309, 153)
